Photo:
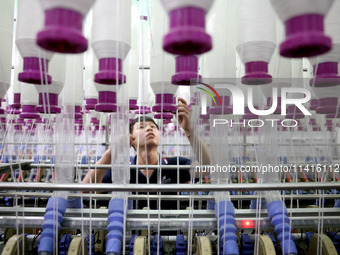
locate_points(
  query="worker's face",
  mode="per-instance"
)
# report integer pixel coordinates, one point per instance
(146, 132)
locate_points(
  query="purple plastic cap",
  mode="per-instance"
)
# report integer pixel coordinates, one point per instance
(90, 103)
(95, 121)
(225, 108)
(28, 112)
(164, 103)
(48, 102)
(77, 112)
(256, 73)
(316, 129)
(133, 104)
(110, 72)
(18, 127)
(195, 99)
(78, 125)
(327, 105)
(186, 71)
(107, 102)
(205, 116)
(187, 34)
(333, 115)
(62, 32)
(312, 122)
(313, 104)
(20, 120)
(326, 75)
(248, 114)
(16, 101)
(2, 111)
(166, 121)
(294, 113)
(329, 123)
(250, 129)
(35, 71)
(11, 110)
(143, 110)
(164, 115)
(305, 37)
(40, 121)
(78, 121)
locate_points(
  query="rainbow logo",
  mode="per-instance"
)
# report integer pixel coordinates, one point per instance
(209, 93)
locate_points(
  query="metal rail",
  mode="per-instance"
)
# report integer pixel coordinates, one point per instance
(168, 187)
(291, 167)
(28, 195)
(168, 219)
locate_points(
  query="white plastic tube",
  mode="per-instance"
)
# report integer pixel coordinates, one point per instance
(36, 60)
(257, 40)
(6, 41)
(63, 25)
(304, 25)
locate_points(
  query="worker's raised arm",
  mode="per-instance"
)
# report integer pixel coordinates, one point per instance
(199, 147)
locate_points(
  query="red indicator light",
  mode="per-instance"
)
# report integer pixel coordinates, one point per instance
(248, 224)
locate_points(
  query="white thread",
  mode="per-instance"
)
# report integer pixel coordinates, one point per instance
(161, 70)
(74, 79)
(30, 20)
(102, 87)
(6, 30)
(170, 5)
(297, 77)
(111, 29)
(323, 92)
(18, 66)
(162, 64)
(57, 68)
(221, 27)
(332, 27)
(131, 63)
(327, 92)
(29, 96)
(82, 6)
(256, 31)
(291, 8)
(58, 71)
(89, 87)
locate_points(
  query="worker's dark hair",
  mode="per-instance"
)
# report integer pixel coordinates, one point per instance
(141, 119)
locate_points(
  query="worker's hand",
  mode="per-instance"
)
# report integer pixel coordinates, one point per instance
(184, 116)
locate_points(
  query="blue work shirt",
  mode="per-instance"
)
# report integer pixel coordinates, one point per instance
(168, 176)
